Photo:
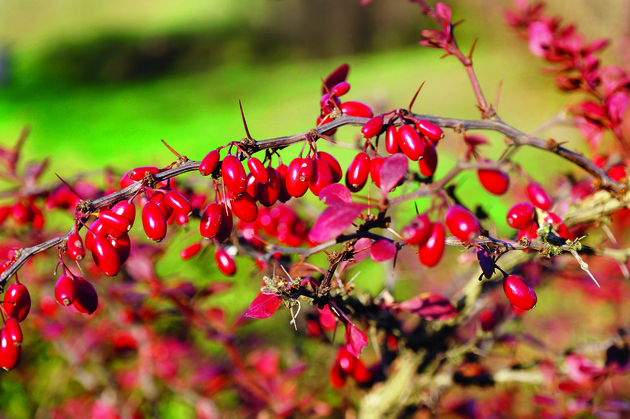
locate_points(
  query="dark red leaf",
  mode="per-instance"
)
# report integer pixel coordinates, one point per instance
(334, 221)
(393, 170)
(429, 306)
(337, 76)
(264, 306)
(335, 193)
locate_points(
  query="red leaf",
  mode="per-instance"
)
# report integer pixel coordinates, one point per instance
(362, 244)
(264, 306)
(334, 221)
(356, 339)
(429, 306)
(338, 75)
(393, 170)
(382, 250)
(335, 193)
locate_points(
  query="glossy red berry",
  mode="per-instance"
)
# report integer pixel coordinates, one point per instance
(227, 224)
(322, 176)
(14, 331)
(225, 263)
(431, 253)
(105, 256)
(561, 228)
(211, 221)
(462, 223)
(538, 196)
(429, 130)
(617, 173)
(306, 169)
(111, 220)
(418, 231)
(337, 376)
(358, 172)
(356, 109)
(178, 202)
(126, 209)
(153, 222)
(234, 176)
(335, 167)
(519, 293)
(65, 292)
(360, 373)
(252, 186)
(245, 207)
(494, 181)
(140, 172)
(295, 186)
(410, 143)
(530, 232)
(429, 162)
(86, 300)
(258, 170)
(158, 198)
(391, 139)
(95, 230)
(17, 301)
(340, 89)
(372, 127)
(282, 176)
(122, 244)
(75, 247)
(126, 180)
(346, 360)
(20, 213)
(520, 215)
(209, 163)
(190, 251)
(321, 120)
(375, 170)
(9, 352)
(269, 192)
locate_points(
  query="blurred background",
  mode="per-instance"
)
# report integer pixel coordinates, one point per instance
(101, 83)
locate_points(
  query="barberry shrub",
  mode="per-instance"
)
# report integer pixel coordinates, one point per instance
(486, 327)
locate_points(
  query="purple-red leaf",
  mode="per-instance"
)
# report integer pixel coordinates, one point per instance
(356, 339)
(335, 193)
(393, 170)
(429, 306)
(264, 306)
(382, 250)
(338, 75)
(334, 221)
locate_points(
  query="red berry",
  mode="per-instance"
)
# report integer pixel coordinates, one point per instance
(126, 209)
(190, 251)
(14, 331)
(269, 192)
(245, 208)
(409, 142)
(326, 101)
(126, 180)
(209, 163)
(86, 300)
(418, 231)
(538, 196)
(282, 176)
(530, 232)
(225, 263)
(75, 247)
(122, 245)
(4, 212)
(96, 230)
(153, 221)
(179, 204)
(335, 167)
(65, 292)
(258, 170)
(252, 186)
(430, 130)
(356, 109)
(357, 173)
(431, 253)
(462, 223)
(20, 213)
(211, 221)
(158, 198)
(227, 224)
(617, 172)
(520, 215)
(360, 373)
(111, 220)
(345, 360)
(562, 229)
(9, 352)
(391, 139)
(519, 293)
(372, 127)
(306, 169)
(494, 181)
(140, 172)
(234, 176)
(38, 218)
(428, 164)
(340, 89)
(17, 301)
(322, 176)
(375, 170)
(295, 186)
(322, 121)
(105, 256)
(337, 376)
